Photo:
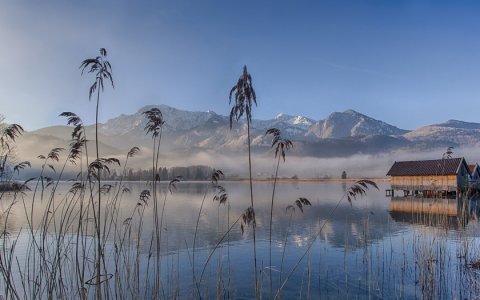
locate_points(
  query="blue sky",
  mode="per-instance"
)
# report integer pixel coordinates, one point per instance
(409, 63)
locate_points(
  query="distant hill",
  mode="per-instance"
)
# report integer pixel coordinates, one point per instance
(452, 131)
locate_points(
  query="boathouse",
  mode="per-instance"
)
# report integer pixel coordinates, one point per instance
(474, 175)
(444, 178)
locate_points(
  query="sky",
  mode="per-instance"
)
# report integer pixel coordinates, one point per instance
(408, 63)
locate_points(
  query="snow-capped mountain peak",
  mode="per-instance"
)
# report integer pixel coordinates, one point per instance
(175, 119)
(336, 125)
(300, 121)
(283, 117)
(351, 112)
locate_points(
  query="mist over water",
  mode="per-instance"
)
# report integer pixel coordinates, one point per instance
(356, 166)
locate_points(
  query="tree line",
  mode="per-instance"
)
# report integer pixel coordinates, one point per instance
(186, 173)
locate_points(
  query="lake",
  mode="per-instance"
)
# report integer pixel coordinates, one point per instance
(374, 248)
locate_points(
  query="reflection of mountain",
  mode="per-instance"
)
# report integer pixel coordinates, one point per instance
(356, 225)
(351, 227)
(363, 223)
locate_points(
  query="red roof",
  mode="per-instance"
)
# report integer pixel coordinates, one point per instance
(447, 166)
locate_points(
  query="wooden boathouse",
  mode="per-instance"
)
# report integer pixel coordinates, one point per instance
(438, 178)
(474, 175)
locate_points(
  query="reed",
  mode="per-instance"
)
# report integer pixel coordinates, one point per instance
(154, 127)
(102, 69)
(220, 196)
(281, 145)
(244, 97)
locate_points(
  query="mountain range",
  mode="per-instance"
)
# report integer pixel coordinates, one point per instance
(341, 134)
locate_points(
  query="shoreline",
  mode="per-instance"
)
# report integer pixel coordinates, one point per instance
(307, 179)
(289, 180)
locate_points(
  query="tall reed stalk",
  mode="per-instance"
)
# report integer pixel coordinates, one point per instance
(281, 145)
(102, 70)
(220, 196)
(244, 97)
(154, 126)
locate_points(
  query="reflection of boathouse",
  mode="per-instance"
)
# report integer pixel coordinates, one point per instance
(427, 211)
(439, 178)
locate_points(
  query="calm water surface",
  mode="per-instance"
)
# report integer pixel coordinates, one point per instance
(372, 249)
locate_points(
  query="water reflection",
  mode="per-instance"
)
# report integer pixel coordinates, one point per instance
(367, 220)
(362, 222)
(9, 217)
(438, 212)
